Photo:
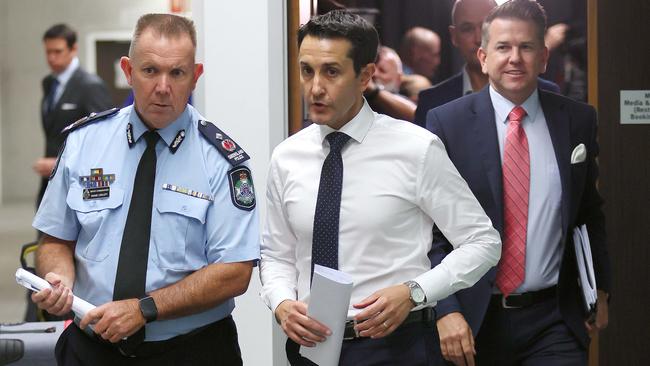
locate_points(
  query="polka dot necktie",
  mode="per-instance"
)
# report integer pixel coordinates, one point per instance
(325, 244)
(516, 187)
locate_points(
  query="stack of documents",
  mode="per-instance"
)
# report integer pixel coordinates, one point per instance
(329, 302)
(585, 267)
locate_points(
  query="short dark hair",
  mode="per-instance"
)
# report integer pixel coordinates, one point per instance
(526, 10)
(61, 30)
(167, 25)
(343, 24)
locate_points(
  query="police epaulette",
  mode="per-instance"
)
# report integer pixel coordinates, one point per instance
(224, 144)
(93, 117)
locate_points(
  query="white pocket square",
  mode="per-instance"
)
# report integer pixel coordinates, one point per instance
(579, 154)
(68, 106)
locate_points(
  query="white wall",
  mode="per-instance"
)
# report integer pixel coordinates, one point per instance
(242, 45)
(3, 46)
(22, 24)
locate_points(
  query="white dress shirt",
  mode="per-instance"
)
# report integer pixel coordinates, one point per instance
(543, 248)
(397, 181)
(467, 83)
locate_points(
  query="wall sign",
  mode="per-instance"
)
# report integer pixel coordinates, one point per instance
(635, 107)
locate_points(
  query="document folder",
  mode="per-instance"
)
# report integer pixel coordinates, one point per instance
(329, 302)
(586, 276)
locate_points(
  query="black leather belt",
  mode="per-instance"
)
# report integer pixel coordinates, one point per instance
(421, 316)
(517, 301)
(146, 349)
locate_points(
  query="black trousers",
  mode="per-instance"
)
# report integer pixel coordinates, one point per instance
(531, 336)
(409, 345)
(215, 344)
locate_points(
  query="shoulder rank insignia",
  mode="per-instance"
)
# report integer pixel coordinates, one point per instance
(242, 192)
(224, 144)
(93, 117)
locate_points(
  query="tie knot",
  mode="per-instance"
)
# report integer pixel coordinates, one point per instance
(517, 114)
(337, 140)
(151, 137)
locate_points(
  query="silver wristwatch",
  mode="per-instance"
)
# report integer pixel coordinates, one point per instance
(417, 296)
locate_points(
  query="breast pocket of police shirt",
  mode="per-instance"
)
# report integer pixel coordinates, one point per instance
(179, 231)
(92, 214)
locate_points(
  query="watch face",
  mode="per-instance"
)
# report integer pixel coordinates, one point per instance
(418, 295)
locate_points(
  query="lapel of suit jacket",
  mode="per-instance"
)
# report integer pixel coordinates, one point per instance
(458, 85)
(47, 85)
(558, 122)
(70, 87)
(487, 143)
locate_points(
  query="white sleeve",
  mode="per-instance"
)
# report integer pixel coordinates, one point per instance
(444, 195)
(278, 272)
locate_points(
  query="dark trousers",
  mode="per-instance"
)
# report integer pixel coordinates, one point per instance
(410, 345)
(215, 344)
(531, 336)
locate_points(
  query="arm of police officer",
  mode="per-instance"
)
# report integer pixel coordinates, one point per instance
(443, 194)
(55, 263)
(200, 291)
(231, 248)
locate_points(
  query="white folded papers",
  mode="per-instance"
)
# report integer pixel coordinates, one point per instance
(32, 282)
(329, 303)
(585, 267)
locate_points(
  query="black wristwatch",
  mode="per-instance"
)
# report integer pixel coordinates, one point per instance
(148, 309)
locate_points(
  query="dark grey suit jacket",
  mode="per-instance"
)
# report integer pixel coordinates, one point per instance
(84, 93)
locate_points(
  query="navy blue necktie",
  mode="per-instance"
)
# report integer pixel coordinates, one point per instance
(131, 277)
(325, 244)
(49, 102)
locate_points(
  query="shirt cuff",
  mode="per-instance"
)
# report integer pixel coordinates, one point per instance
(276, 296)
(435, 284)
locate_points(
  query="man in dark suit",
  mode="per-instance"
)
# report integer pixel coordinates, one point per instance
(529, 157)
(69, 93)
(465, 31)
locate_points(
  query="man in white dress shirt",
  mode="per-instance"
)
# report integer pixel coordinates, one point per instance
(360, 192)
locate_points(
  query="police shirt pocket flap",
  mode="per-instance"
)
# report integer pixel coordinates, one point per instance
(80, 200)
(193, 207)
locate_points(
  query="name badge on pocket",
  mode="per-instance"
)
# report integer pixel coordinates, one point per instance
(97, 184)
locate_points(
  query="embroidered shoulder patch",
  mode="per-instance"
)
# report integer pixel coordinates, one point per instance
(224, 144)
(242, 191)
(93, 117)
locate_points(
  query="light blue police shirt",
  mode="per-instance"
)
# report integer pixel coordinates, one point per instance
(187, 232)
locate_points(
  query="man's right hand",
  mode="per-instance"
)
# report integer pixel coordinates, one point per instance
(456, 340)
(58, 299)
(303, 330)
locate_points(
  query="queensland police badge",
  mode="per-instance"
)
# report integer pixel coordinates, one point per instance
(241, 188)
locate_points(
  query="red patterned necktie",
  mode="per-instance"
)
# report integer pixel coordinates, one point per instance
(516, 186)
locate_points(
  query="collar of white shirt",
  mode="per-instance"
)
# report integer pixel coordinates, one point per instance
(503, 106)
(467, 84)
(357, 128)
(65, 76)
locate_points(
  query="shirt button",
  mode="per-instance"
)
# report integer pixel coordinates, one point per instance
(184, 208)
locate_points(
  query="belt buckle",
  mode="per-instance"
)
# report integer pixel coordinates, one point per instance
(356, 333)
(504, 302)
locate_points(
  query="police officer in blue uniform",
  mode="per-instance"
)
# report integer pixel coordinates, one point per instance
(150, 215)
